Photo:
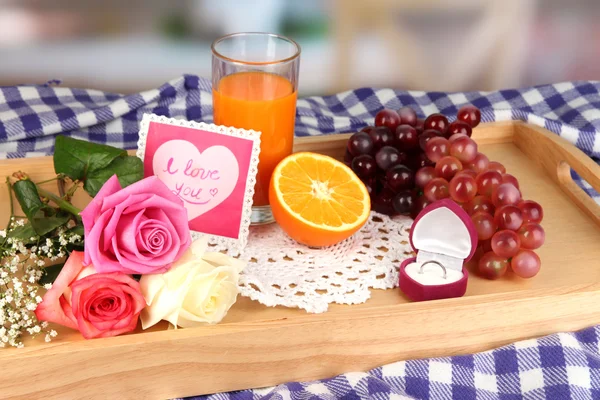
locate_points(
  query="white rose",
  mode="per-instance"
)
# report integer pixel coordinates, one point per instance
(199, 289)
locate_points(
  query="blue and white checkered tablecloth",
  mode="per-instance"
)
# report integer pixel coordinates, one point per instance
(561, 366)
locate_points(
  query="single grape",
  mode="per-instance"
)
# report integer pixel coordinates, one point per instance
(508, 217)
(447, 167)
(464, 148)
(382, 202)
(364, 166)
(504, 194)
(480, 163)
(388, 118)
(387, 157)
(367, 129)
(426, 136)
(436, 121)
(480, 203)
(360, 143)
(532, 236)
(526, 264)
(404, 202)
(436, 189)
(423, 176)
(407, 116)
(488, 181)
(459, 128)
(484, 224)
(496, 166)
(508, 178)
(419, 205)
(469, 114)
(468, 172)
(381, 137)
(436, 148)
(462, 188)
(532, 211)
(406, 138)
(400, 177)
(492, 266)
(505, 243)
(454, 137)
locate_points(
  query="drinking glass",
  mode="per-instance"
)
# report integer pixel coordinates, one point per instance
(255, 85)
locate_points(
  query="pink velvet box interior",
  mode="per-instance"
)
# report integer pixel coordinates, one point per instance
(442, 232)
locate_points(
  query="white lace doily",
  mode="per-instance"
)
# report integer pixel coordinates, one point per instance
(281, 272)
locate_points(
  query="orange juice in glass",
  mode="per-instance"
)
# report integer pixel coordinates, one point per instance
(255, 83)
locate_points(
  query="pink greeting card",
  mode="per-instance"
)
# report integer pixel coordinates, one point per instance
(211, 168)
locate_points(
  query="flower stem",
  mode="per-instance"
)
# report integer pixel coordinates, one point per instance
(48, 180)
(62, 204)
(10, 198)
(72, 190)
(12, 211)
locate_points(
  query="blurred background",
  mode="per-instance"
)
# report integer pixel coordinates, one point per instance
(453, 45)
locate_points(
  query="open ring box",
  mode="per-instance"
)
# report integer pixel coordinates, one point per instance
(442, 233)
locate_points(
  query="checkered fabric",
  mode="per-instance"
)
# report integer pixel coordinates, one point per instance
(560, 366)
(31, 115)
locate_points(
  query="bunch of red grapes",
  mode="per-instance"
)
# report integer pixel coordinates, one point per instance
(407, 163)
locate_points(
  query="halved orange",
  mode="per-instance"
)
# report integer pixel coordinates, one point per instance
(317, 200)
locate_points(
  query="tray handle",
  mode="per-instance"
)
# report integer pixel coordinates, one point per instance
(558, 157)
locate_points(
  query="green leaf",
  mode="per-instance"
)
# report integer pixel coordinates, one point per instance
(28, 197)
(23, 233)
(42, 217)
(128, 169)
(76, 158)
(46, 225)
(50, 273)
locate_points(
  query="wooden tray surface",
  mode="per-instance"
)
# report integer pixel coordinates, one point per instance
(257, 346)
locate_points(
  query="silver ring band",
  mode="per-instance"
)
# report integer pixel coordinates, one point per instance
(436, 263)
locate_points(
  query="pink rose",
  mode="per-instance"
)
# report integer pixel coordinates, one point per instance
(141, 229)
(97, 305)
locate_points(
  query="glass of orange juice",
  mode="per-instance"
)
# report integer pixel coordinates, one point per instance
(255, 85)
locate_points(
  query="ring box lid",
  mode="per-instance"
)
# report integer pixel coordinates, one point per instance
(444, 232)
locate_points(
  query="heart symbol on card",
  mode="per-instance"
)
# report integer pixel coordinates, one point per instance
(203, 180)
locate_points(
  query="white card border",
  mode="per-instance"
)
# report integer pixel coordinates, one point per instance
(233, 244)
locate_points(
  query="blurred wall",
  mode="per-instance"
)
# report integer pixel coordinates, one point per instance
(128, 46)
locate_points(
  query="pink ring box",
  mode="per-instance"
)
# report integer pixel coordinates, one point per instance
(444, 233)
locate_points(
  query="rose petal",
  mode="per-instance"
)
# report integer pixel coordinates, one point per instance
(162, 303)
(91, 212)
(150, 184)
(93, 254)
(51, 309)
(154, 237)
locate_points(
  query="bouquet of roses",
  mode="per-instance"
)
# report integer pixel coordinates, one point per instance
(138, 260)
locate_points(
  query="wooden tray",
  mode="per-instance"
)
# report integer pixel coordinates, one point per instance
(258, 346)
